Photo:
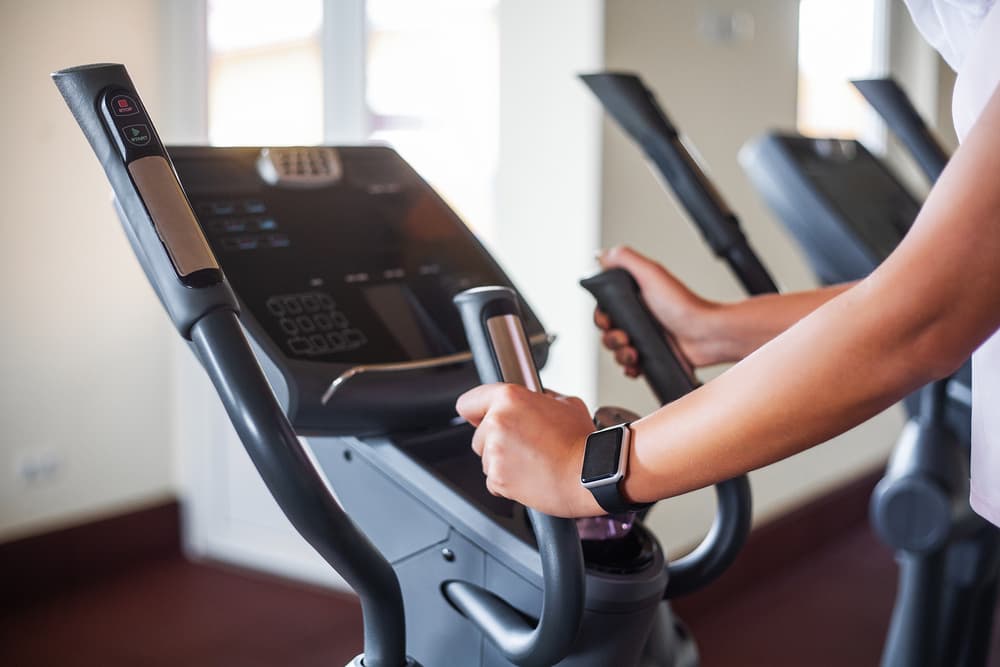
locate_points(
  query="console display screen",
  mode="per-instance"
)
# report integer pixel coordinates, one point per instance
(404, 316)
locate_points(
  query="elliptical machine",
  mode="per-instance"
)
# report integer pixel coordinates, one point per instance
(315, 286)
(848, 212)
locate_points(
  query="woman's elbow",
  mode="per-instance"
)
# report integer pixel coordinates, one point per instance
(936, 354)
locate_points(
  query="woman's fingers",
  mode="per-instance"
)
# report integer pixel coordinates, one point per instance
(601, 319)
(626, 356)
(615, 339)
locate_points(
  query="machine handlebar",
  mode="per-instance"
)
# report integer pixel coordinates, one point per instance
(668, 373)
(670, 376)
(182, 269)
(493, 326)
(635, 109)
(892, 103)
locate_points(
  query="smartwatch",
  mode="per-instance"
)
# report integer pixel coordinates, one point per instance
(605, 464)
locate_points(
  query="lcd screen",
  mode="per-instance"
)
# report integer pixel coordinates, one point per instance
(405, 319)
(604, 450)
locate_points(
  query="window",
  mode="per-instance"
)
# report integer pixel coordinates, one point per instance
(839, 41)
(433, 94)
(431, 87)
(265, 76)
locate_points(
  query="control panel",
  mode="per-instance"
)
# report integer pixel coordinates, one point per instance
(359, 268)
(140, 149)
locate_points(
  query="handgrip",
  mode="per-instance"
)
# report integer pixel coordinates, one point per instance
(178, 263)
(669, 375)
(892, 103)
(633, 106)
(155, 212)
(491, 316)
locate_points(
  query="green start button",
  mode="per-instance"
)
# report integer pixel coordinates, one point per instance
(137, 135)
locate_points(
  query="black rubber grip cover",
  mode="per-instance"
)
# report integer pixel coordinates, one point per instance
(618, 295)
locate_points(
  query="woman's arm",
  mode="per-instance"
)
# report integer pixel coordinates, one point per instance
(913, 320)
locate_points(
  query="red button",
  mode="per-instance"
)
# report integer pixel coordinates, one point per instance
(123, 105)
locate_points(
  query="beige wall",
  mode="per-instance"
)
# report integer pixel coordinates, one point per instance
(720, 95)
(83, 360)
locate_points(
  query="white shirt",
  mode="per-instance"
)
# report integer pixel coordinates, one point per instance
(967, 34)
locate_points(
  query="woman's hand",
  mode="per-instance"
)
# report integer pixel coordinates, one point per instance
(687, 317)
(532, 446)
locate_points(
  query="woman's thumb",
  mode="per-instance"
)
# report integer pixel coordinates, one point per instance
(642, 268)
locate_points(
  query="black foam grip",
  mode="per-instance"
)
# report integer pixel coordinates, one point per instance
(617, 294)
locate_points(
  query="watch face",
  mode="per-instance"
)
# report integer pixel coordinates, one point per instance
(603, 455)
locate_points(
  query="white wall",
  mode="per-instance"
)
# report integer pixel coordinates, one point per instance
(548, 180)
(83, 360)
(720, 95)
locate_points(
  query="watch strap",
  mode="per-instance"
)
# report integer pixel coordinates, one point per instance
(612, 501)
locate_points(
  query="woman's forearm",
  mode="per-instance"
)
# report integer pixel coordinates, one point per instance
(738, 329)
(794, 392)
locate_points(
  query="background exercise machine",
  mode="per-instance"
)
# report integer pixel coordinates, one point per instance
(848, 211)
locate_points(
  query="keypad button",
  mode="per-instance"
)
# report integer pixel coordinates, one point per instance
(305, 323)
(319, 343)
(354, 338)
(310, 303)
(323, 321)
(325, 301)
(340, 320)
(336, 341)
(275, 306)
(137, 135)
(288, 326)
(124, 105)
(293, 305)
(299, 345)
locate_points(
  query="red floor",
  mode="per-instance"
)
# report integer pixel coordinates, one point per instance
(830, 610)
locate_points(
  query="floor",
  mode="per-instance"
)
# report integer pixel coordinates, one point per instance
(830, 610)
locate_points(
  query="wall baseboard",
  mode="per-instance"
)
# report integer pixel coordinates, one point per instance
(42, 565)
(49, 563)
(789, 538)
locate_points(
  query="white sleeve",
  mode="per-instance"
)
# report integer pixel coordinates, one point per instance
(979, 75)
(949, 25)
